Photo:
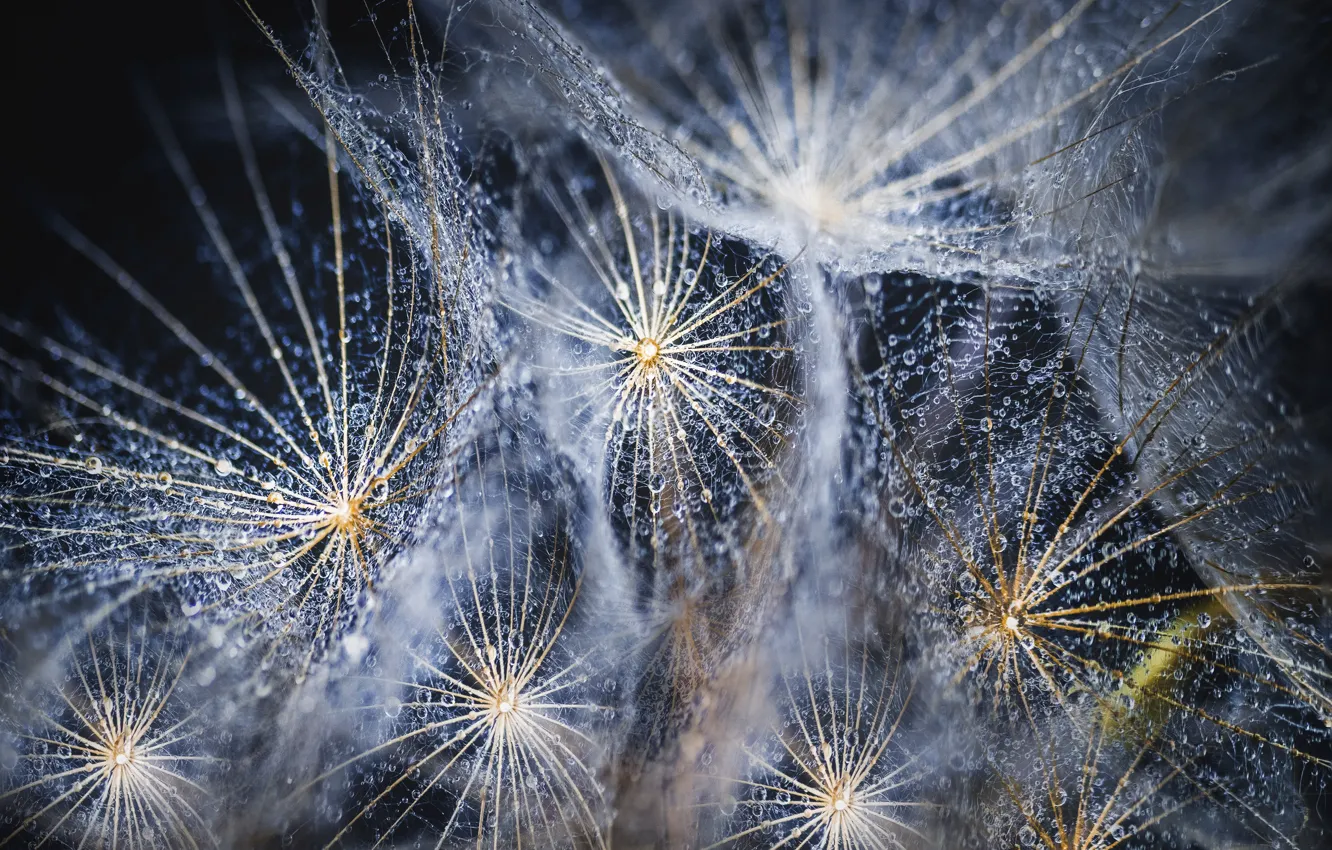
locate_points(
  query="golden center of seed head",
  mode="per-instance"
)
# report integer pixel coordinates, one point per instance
(121, 753)
(647, 349)
(1013, 619)
(342, 514)
(504, 701)
(838, 798)
(345, 515)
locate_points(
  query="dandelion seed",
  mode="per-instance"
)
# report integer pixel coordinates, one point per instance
(834, 770)
(686, 374)
(282, 511)
(113, 759)
(495, 740)
(1076, 582)
(882, 129)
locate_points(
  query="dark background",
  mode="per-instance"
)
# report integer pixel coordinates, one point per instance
(79, 139)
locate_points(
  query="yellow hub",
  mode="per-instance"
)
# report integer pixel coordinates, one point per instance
(346, 515)
(837, 799)
(504, 702)
(120, 756)
(647, 350)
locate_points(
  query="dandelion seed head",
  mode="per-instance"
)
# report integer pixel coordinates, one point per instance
(684, 385)
(877, 133)
(834, 769)
(112, 748)
(1074, 584)
(495, 723)
(283, 486)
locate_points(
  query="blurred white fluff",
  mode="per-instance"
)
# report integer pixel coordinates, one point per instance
(888, 136)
